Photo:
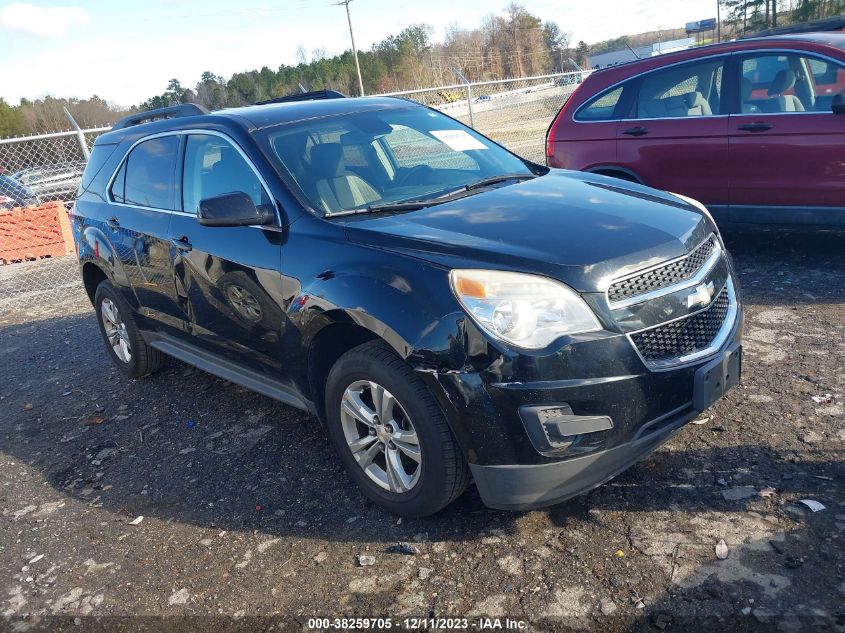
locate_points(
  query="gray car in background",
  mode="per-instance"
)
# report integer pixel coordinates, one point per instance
(53, 182)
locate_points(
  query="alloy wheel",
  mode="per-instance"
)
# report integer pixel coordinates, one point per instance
(381, 436)
(115, 330)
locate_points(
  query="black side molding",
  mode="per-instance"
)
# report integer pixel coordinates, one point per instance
(171, 112)
(226, 369)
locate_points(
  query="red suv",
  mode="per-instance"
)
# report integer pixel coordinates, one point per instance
(755, 129)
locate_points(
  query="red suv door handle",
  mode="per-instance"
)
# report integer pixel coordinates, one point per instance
(755, 127)
(636, 131)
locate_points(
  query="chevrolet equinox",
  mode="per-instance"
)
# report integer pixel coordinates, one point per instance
(448, 309)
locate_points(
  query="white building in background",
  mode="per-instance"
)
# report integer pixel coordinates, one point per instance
(613, 58)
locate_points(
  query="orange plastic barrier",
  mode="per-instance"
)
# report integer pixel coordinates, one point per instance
(29, 233)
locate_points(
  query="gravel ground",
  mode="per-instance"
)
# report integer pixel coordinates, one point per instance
(250, 523)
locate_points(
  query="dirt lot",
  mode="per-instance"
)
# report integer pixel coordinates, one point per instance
(250, 523)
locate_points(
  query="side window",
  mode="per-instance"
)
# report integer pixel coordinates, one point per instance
(779, 83)
(827, 79)
(689, 90)
(148, 175)
(601, 108)
(411, 148)
(118, 184)
(214, 167)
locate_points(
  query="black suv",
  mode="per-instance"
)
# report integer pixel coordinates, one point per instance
(446, 307)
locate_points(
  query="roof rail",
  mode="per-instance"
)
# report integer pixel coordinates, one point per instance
(305, 96)
(170, 112)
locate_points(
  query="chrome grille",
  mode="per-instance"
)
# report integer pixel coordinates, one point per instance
(685, 336)
(665, 276)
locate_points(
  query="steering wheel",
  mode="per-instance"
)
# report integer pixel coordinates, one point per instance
(416, 170)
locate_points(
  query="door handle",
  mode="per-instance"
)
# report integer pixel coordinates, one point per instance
(181, 243)
(112, 222)
(755, 127)
(636, 131)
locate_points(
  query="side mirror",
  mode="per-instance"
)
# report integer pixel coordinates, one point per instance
(838, 106)
(233, 209)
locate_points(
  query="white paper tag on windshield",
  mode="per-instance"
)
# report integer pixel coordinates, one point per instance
(458, 140)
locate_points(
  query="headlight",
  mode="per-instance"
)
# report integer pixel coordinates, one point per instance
(524, 310)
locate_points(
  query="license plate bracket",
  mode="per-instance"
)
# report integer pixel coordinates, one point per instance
(714, 379)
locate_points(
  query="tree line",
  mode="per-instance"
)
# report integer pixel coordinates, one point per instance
(516, 43)
(750, 16)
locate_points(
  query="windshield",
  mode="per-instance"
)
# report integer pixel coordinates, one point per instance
(366, 159)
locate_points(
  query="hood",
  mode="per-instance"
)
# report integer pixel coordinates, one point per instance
(582, 229)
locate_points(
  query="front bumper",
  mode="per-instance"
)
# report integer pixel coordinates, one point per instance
(522, 487)
(593, 381)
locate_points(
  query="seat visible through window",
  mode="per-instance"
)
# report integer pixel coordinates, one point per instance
(747, 89)
(779, 100)
(689, 104)
(337, 188)
(688, 90)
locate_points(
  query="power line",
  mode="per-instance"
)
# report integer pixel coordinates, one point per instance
(354, 49)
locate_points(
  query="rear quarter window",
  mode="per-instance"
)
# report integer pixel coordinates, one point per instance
(99, 155)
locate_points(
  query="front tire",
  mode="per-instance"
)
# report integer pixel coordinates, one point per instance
(391, 435)
(123, 339)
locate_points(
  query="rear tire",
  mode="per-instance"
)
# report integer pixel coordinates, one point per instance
(121, 335)
(397, 406)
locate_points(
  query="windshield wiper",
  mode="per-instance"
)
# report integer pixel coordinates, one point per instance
(417, 203)
(410, 205)
(422, 203)
(492, 180)
(403, 205)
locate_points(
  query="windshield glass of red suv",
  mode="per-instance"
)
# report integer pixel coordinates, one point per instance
(360, 160)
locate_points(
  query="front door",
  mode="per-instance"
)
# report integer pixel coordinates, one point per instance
(786, 145)
(675, 137)
(228, 278)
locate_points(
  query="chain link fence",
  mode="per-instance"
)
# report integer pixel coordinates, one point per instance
(513, 112)
(39, 176)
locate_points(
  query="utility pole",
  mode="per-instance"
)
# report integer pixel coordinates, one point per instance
(718, 20)
(345, 3)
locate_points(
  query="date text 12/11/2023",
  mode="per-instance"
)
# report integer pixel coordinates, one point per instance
(417, 624)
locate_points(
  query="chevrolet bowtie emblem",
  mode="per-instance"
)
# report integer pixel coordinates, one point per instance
(701, 296)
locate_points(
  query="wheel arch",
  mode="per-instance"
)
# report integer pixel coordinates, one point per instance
(615, 171)
(327, 346)
(97, 252)
(92, 276)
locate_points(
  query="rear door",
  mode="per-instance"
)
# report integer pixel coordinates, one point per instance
(588, 141)
(786, 145)
(228, 278)
(675, 136)
(143, 194)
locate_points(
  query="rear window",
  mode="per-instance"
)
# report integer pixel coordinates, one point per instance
(600, 108)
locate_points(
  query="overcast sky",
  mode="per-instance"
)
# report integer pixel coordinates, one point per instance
(127, 53)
